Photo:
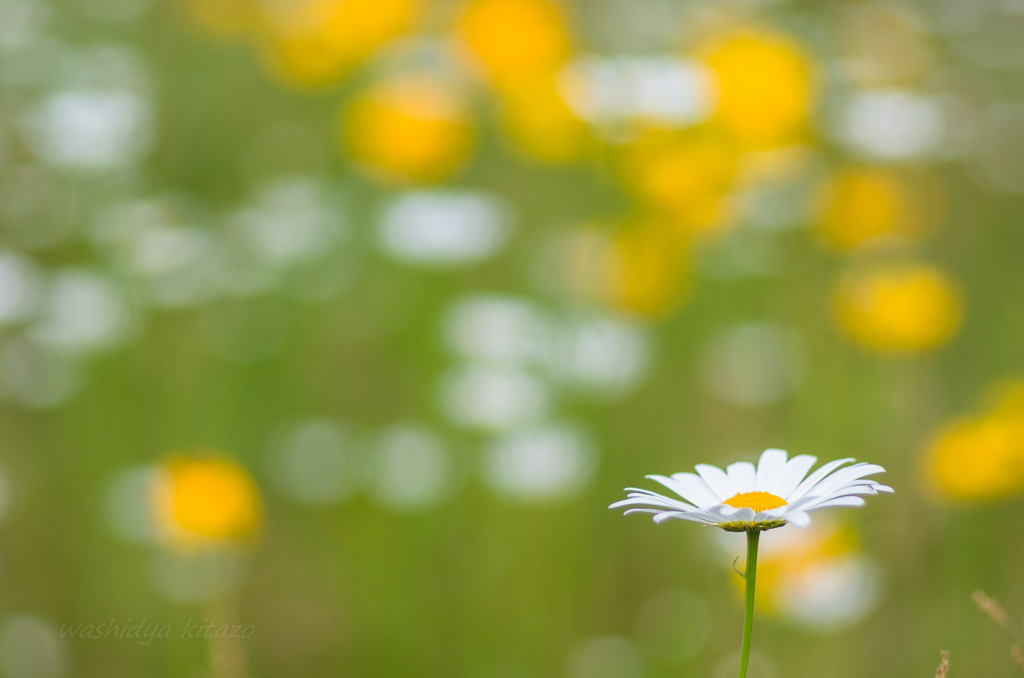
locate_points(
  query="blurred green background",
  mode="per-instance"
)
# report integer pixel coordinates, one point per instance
(333, 326)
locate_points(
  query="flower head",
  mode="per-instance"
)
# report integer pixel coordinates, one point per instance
(409, 128)
(980, 458)
(766, 87)
(898, 307)
(203, 497)
(744, 499)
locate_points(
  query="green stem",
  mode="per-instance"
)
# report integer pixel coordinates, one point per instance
(748, 619)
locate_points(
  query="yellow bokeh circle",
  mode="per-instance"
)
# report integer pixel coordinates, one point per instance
(203, 496)
(409, 129)
(765, 87)
(897, 307)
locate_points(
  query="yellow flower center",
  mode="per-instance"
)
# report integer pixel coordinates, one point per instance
(758, 501)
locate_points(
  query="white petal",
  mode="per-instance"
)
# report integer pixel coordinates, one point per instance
(717, 481)
(795, 470)
(671, 484)
(772, 514)
(742, 476)
(768, 469)
(812, 480)
(850, 491)
(693, 488)
(728, 514)
(839, 501)
(745, 514)
(638, 499)
(844, 477)
(641, 510)
(696, 517)
(813, 502)
(799, 504)
(702, 516)
(642, 492)
(798, 518)
(865, 482)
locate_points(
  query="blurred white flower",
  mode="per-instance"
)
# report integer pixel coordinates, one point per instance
(830, 594)
(894, 125)
(174, 265)
(158, 249)
(86, 129)
(37, 375)
(658, 89)
(31, 647)
(493, 398)
(495, 329)
(411, 468)
(290, 220)
(754, 364)
(20, 284)
(600, 354)
(313, 462)
(540, 464)
(444, 228)
(82, 310)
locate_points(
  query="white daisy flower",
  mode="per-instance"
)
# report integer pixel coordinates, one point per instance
(744, 499)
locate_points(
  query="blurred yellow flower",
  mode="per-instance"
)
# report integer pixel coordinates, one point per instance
(409, 129)
(981, 458)
(316, 42)
(205, 497)
(642, 269)
(861, 204)
(765, 87)
(818, 577)
(898, 307)
(515, 40)
(858, 205)
(541, 124)
(647, 270)
(782, 569)
(685, 178)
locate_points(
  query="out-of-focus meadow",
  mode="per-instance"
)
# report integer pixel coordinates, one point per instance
(329, 328)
